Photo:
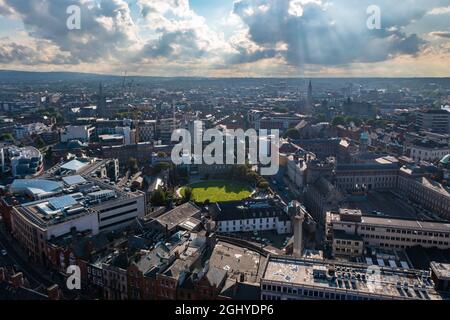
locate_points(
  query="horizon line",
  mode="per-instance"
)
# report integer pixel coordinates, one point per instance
(225, 77)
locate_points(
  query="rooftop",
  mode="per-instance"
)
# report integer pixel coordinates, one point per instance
(389, 283)
(35, 187)
(434, 226)
(435, 186)
(178, 215)
(237, 261)
(74, 165)
(442, 270)
(248, 209)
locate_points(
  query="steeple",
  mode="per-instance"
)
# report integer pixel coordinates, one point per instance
(310, 92)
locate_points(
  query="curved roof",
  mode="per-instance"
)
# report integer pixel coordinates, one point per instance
(35, 186)
(446, 159)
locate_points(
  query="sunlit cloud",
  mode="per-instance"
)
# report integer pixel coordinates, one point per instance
(255, 38)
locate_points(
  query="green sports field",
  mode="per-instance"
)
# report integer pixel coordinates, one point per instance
(218, 191)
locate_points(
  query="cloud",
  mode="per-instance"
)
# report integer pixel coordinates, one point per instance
(440, 34)
(263, 36)
(178, 32)
(34, 53)
(107, 29)
(439, 11)
(331, 33)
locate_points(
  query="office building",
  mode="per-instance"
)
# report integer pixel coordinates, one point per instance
(434, 120)
(287, 278)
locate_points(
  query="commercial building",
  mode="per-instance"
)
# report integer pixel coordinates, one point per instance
(426, 150)
(142, 152)
(440, 273)
(349, 232)
(382, 174)
(145, 130)
(431, 195)
(434, 120)
(287, 278)
(320, 197)
(25, 162)
(72, 202)
(81, 133)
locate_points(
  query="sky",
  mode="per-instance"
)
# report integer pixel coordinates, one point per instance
(229, 38)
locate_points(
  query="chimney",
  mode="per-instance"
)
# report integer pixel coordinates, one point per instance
(208, 226)
(17, 280)
(2, 275)
(53, 292)
(298, 234)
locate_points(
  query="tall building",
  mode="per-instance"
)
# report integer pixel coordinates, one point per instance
(434, 120)
(101, 104)
(310, 95)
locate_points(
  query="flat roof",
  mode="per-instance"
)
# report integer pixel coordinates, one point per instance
(74, 165)
(73, 180)
(178, 215)
(442, 270)
(236, 261)
(350, 278)
(405, 223)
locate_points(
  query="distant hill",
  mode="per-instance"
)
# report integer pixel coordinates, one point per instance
(76, 76)
(27, 75)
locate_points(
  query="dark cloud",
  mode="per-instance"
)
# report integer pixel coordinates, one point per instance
(176, 44)
(106, 27)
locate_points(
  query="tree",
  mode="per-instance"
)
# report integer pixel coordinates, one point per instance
(357, 121)
(7, 137)
(292, 134)
(158, 198)
(338, 120)
(187, 196)
(321, 117)
(39, 143)
(263, 184)
(161, 166)
(133, 165)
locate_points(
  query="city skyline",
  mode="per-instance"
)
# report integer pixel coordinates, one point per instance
(246, 38)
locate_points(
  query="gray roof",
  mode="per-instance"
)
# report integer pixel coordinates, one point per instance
(178, 215)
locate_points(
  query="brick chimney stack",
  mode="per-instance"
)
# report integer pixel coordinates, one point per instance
(17, 280)
(2, 275)
(53, 292)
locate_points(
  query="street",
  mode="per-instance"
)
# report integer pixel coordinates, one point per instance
(20, 264)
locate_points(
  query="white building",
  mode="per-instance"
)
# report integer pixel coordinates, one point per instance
(82, 133)
(429, 151)
(251, 216)
(296, 170)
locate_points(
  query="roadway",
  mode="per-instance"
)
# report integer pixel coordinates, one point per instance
(15, 260)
